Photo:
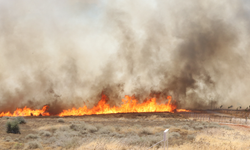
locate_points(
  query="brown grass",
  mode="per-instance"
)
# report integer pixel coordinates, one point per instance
(122, 133)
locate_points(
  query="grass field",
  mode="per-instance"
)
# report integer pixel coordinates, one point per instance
(123, 132)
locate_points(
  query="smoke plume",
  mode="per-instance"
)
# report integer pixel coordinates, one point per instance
(67, 53)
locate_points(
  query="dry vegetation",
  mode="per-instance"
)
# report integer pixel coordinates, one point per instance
(122, 132)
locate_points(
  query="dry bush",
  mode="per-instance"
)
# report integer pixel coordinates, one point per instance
(106, 130)
(137, 126)
(117, 129)
(83, 128)
(78, 127)
(185, 127)
(167, 126)
(226, 127)
(98, 126)
(199, 127)
(61, 120)
(174, 135)
(45, 133)
(50, 140)
(31, 136)
(8, 139)
(5, 117)
(214, 125)
(21, 120)
(34, 145)
(91, 128)
(146, 131)
(191, 137)
(117, 135)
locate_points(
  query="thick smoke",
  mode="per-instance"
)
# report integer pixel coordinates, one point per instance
(67, 53)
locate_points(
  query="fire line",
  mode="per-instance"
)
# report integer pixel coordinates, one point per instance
(129, 105)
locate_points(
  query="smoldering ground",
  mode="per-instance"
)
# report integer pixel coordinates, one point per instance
(67, 53)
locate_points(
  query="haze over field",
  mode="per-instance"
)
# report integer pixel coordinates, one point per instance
(66, 53)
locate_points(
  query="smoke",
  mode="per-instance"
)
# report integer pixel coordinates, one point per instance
(67, 53)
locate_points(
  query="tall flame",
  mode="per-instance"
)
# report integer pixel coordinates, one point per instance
(130, 105)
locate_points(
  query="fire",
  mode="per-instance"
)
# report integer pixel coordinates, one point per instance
(27, 112)
(129, 105)
(182, 110)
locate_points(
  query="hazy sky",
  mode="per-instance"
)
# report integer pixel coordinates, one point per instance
(193, 50)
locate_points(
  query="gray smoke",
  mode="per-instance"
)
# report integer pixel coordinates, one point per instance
(67, 53)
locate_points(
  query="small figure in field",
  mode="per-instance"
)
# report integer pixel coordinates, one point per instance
(221, 106)
(31, 114)
(40, 114)
(230, 106)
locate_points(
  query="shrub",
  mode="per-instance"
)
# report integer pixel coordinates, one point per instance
(138, 126)
(214, 125)
(21, 120)
(106, 130)
(199, 127)
(91, 128)
(191, 137)
(8, 139)
(117, 129)
(6, 117)
(133, 140)
(118, 135)
(60, 120)
(45, 133)
(167, 126)
(146, 131)
(185, 127)
(98, 126)
(74, 127)
(34, 145)
(49, 140)
(226, 127)
(32, 136)
(174, 135)
(78, 127)
(12, 127)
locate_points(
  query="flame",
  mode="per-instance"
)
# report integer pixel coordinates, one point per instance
(27, 112)
(182, 110)
(129, 105)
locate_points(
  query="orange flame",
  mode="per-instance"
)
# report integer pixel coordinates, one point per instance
(130, 105)
(27, 112)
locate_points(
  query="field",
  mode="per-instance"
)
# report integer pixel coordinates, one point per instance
(123, 132)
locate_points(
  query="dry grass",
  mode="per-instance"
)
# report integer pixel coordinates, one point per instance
(119, 133)
(208, 139)
(214, 139)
